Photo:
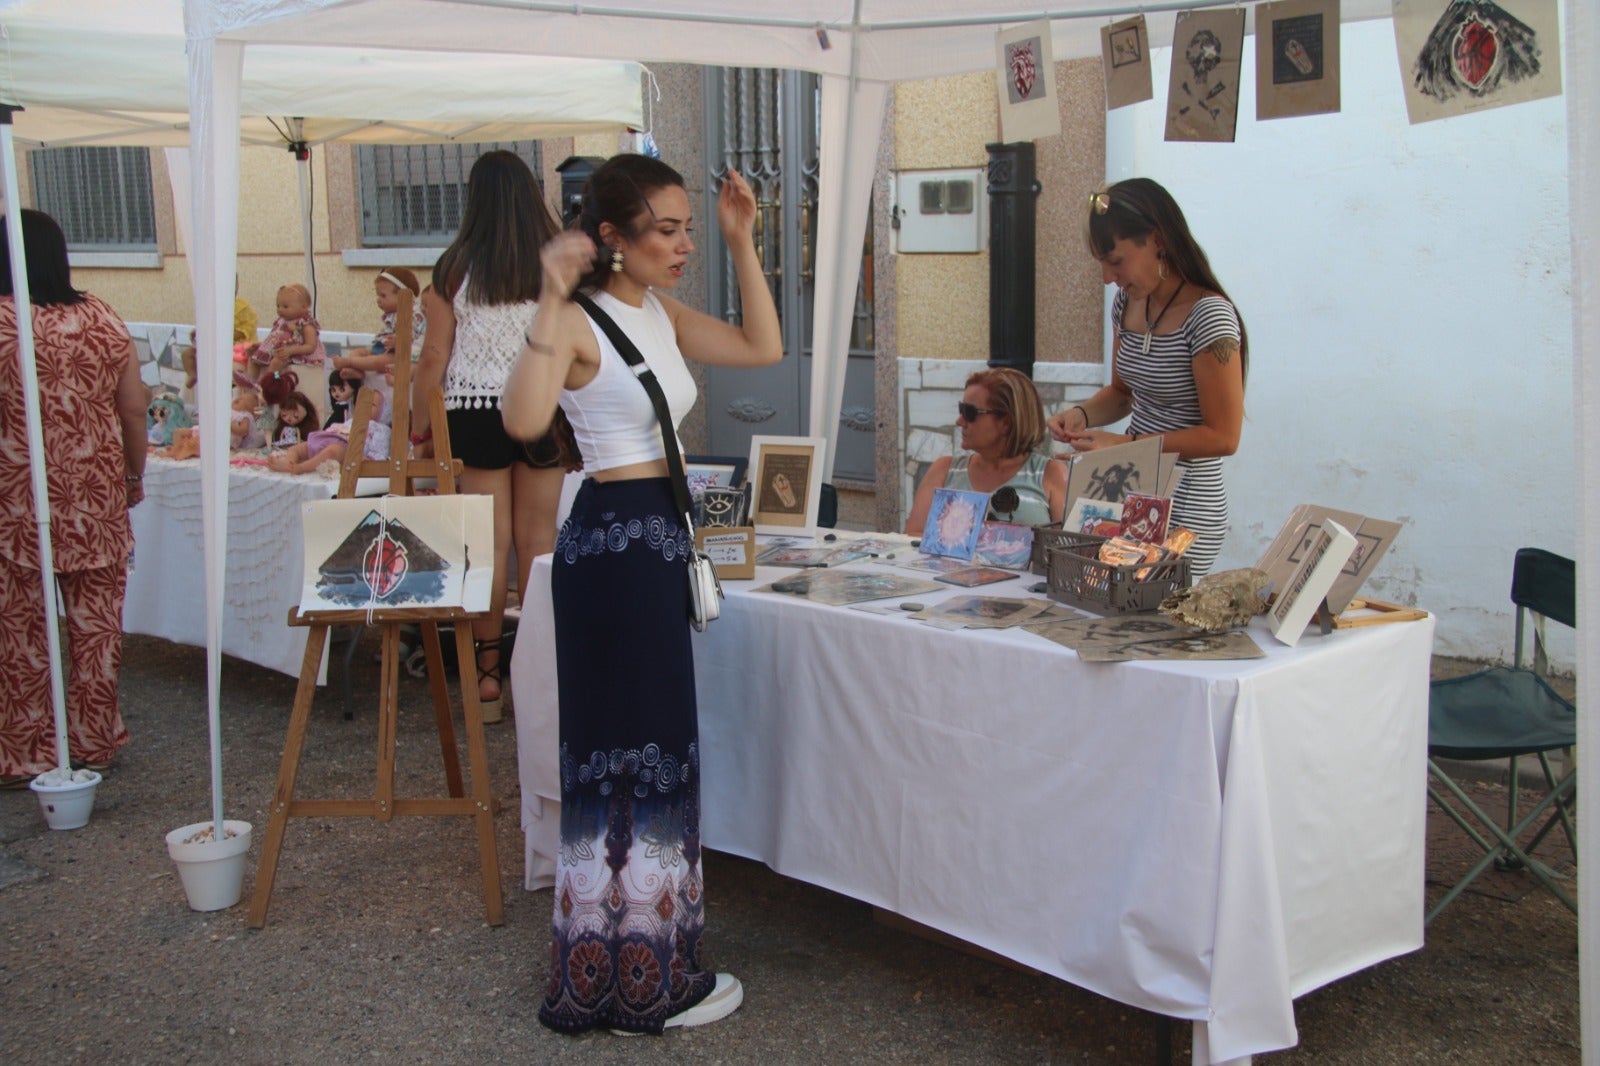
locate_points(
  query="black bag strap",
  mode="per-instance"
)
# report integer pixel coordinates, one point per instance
(658, 399)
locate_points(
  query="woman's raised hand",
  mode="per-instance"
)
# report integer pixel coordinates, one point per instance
(736, 207)
(565, 259)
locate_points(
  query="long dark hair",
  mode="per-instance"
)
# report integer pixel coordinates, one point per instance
(504, 225)
(1135, 208)
(45, 247)
(618, 192)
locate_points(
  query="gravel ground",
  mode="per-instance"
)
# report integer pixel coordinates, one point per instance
(375, 946)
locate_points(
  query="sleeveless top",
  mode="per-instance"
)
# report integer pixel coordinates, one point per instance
(1165, 398)
(488, 339)
(1033, 508)
(612, 418)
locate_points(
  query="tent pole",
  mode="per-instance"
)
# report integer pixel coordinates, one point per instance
(30, 400)
(302, 155)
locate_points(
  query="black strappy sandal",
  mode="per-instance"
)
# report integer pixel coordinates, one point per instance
(492, 710)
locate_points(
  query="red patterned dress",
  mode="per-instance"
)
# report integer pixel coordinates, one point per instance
(82, 351)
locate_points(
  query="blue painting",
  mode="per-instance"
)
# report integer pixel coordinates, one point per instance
(954, 522)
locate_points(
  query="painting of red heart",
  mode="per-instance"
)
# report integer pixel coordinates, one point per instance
(1460, 56)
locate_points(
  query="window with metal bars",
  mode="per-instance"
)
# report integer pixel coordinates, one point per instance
(101, 197)
(414, 194)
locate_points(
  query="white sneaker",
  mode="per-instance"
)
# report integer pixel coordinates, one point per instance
(724, 999)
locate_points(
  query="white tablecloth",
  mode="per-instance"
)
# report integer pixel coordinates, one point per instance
(1207, 840)
(166, 591)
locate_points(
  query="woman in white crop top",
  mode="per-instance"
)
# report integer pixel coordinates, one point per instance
(630, 769)
(478, 309)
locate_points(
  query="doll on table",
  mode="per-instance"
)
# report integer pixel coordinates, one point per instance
(295, 336)
(296, 421)
(330, 444)
(376, 363)
(244, 422)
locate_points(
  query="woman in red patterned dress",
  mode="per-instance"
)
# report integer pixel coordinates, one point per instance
(92, 408)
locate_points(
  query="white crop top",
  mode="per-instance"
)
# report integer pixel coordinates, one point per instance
(612, 418)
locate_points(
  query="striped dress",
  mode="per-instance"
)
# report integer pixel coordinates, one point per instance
(1165, 398)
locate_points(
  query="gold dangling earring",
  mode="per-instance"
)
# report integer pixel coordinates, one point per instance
(1161, 268)
(616, 260)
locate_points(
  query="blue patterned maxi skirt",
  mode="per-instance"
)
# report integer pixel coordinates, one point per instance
(629, 910)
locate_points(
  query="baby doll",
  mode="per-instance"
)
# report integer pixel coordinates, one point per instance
(295, 335)
(377, 362)
(243, 430)
(297, 419)
(331, 443)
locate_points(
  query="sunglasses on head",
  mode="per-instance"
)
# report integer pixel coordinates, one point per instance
(970, 412)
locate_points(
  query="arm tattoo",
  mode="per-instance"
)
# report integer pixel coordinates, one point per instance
(1224, 349)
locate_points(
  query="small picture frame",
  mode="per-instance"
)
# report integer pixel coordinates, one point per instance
(786, 480)
(713, 471)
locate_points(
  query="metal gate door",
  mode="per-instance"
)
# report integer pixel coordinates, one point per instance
(764, 123)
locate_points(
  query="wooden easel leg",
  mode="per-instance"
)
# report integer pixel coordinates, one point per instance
(294, 742)
(441, 710)
(388, 713)
(482, 796)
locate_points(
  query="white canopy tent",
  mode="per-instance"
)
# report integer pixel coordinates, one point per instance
(859, 47)
(104, 72)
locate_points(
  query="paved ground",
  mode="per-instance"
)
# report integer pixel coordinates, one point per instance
(376, 949)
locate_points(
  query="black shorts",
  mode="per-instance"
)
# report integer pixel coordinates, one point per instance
(478, 438)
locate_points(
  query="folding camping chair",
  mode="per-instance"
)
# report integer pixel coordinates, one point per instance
(1506, 712)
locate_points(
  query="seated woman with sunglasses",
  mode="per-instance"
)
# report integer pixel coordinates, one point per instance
(1002, 422)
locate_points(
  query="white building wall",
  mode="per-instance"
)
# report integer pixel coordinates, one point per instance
(1407, 293)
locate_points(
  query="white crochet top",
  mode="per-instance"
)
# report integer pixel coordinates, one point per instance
(487, 341)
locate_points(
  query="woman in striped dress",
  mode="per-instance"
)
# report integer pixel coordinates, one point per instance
(1178, 355)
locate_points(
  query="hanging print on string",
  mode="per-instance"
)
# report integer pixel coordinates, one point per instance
(1297, 58)
(1125, 59)
(1026, 78)
(1460, 56)
(1203, 90)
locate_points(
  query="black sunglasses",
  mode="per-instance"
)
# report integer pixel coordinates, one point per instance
(970, 412)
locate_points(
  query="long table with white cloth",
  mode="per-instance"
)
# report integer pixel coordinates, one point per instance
(166, 591)
(1205, 840)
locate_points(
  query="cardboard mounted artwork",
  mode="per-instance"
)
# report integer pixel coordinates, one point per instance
(396, 552)
(1203, 90)
(1301, 531)
(1460, 56)
(1110, 474)
(1025, 77)
(1297, 58)
(1125, 61)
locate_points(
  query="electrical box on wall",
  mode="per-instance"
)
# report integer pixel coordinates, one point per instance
(940, 211)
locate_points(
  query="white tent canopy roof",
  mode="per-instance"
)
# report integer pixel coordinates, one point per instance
(898, 39)
(376, 96)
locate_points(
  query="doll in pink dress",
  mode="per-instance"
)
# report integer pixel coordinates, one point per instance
(295, 336)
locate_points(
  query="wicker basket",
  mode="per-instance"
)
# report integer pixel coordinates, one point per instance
(1078, 578)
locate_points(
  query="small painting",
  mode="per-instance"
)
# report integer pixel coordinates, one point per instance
(1297, 58)
(1125, 60)
(1006, 544)
(1025, 75)
(398, 552)
(1203, 93)
(955, 520)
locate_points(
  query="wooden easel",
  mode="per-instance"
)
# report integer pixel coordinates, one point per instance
(384, 805)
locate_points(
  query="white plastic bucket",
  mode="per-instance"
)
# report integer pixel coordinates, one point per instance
(212, 871)
(66, 806)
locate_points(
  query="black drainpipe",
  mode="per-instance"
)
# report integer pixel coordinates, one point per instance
(1013, 213)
